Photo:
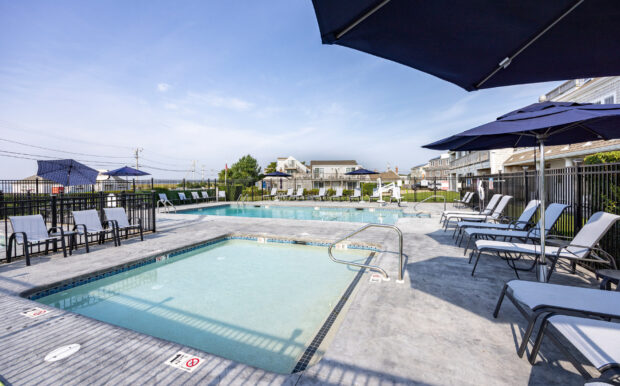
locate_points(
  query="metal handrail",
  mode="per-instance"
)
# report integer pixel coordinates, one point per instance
(241, 197)
(429, 197)
(372, 267)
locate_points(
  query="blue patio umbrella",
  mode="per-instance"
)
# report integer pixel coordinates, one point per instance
(67, 172)
(481, 43)
(126, 171)
(277, 174)
(361, 172)
(552, 123)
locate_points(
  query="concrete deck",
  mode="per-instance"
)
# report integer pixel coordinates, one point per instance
(436, 328)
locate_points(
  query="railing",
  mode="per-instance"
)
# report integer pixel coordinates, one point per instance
(373, 267)
(165, 205)
(429, 197)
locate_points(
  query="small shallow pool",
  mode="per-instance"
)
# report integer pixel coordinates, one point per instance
(365, 215)
(263, 304)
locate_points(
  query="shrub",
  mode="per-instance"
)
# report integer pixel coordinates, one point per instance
(603, 158)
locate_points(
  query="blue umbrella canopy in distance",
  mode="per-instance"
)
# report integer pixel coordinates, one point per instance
(360, 172)
(481, 43)
(126, 171)
(277, 174)
(67, 172)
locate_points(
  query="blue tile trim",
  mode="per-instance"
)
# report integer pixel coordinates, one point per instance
(129, 267)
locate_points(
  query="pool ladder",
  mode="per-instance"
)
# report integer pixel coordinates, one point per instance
(373, 267)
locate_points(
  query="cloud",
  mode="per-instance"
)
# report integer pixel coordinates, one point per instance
(163, 87)
(231, 103)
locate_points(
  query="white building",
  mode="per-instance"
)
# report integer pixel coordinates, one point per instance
(291, 166)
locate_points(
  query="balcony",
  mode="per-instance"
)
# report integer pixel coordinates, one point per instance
(470, 159)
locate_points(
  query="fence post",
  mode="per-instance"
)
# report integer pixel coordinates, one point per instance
(526, 195)
(101, 204)
(152, 184)
(415, 191)
(54, 211)
(134, 185)
(579, 210)
(499, 182)
(183, 183)
(435, 188)
(36, 184)
(153, 210)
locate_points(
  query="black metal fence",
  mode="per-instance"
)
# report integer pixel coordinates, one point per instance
(585, 188)
(56, 209)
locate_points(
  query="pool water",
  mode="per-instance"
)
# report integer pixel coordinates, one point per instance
(365, 215)
(255, 303)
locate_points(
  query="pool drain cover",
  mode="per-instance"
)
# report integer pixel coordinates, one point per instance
(62, 352)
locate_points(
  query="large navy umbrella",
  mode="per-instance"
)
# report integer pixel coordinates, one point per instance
(67, 172)
(360, 172)
(481, 43)
(553, 123)
(126, 171)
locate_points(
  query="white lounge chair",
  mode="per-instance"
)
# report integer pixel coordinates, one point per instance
(552, 215)
(273, 194)
(299, 195)
(338, 194)
(196, 197)
(375, 195)
(535, 299)
(396, 195)
(598, 341)
(163, 199)
(87, 223)
(30, 231)
(583, 246)
(288, 195)
(494, 216)
(486, 211)
(465, 200)
(182, 198)
(357, 195)
(205, 196)
(118, 216)
(322, 194)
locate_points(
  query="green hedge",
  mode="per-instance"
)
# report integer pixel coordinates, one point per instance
(603, 158)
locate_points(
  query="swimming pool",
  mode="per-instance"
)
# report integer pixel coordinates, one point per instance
(262, 304)
(365, 215)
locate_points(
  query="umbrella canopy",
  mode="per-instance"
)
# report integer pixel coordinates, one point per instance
(67, 172)
(277, 174)
(481, 43)
(576, 122)
(554, 123)
(360, 172)
(126, 171)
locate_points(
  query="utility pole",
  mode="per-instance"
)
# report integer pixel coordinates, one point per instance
(202, 173)
(137, 156)
(194, 170)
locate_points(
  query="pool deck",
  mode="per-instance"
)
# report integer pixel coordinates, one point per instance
(435, 328)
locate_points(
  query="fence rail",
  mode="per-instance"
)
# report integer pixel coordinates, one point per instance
(585, 188)
(56, 209)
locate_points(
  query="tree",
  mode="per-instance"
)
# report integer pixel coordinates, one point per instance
(246, 168)
(271, 167)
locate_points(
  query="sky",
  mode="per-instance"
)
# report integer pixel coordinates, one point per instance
(211, 81)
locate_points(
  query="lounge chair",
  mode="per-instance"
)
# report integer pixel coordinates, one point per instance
(163, 199)
(375, 195)
(487, 210)
(494, 216)
(583, 247)
(273, 194)
(30, 231)
(338, 194)
(183, 199)
(357, 194)
(322, 194)
(465, 200)
(288, 195)
(87, 223)
(118, 216)
(552, 215)
(396, 195)
(535, 299)
(205, 196)
(196, 197)
(299, 194)
(598, 341)
(221, 195)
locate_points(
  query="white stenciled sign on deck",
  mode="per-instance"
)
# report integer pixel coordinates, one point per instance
(35, 312)
(184, 361)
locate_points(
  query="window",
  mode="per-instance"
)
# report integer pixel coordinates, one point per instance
(609, 100)
(319, 172)
(349, 170)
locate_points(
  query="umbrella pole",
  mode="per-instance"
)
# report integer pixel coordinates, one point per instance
(542, 269)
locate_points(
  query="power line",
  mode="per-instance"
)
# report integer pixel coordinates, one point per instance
(60, 151)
